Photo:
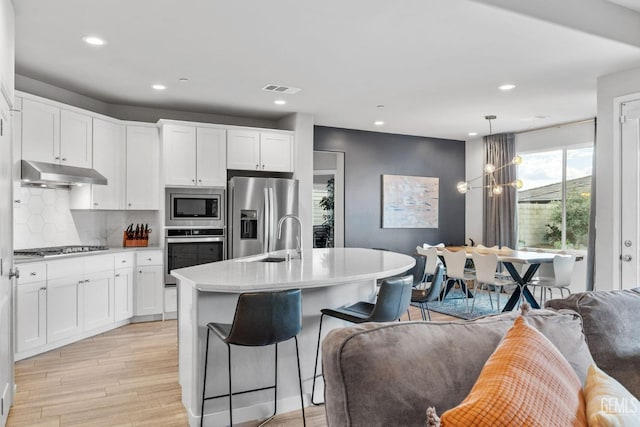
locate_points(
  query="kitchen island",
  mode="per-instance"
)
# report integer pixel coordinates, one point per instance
(209, 293)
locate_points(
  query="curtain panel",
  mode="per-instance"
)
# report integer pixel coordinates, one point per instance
(500, 211)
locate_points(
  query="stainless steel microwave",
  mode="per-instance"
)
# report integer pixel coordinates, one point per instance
(194, 207)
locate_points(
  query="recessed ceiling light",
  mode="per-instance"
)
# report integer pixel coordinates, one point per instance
(158, 87)
(472, 133)
(378, 123)
(94, 41)
(279, 102)
(507, 87)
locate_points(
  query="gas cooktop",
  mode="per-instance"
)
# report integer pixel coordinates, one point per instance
(58, 250)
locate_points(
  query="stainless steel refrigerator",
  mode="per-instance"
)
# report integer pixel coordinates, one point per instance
(255, 207)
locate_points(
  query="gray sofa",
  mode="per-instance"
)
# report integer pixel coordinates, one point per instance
(387, 374)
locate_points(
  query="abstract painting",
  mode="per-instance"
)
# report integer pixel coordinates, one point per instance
(409, 201)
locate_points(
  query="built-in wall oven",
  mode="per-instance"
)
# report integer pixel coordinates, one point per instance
(186, 247)
(195, 231)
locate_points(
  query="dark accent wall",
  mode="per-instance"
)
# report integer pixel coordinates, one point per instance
(368, 156)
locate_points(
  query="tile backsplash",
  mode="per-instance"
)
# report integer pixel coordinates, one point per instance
(43, 218)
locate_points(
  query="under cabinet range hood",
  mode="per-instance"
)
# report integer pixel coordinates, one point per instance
(58, 176)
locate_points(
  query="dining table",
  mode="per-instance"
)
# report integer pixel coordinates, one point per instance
(508, 258)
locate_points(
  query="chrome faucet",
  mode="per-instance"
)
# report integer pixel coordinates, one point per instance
(298, 237)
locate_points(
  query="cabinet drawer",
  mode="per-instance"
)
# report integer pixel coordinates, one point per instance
(123, 260)
(30, 273)
(149, 258)
(98, 263)
(64, 268)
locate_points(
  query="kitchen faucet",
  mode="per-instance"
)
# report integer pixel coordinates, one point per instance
(298, 237)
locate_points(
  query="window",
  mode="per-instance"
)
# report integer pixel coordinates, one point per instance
(555, 200)
(319, 191)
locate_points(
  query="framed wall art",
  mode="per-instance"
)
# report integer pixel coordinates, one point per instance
(409, 201)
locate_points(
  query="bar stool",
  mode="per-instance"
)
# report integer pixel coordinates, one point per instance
(393, 300)
(261, 319)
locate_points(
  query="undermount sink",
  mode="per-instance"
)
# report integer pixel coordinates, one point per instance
(272, 259)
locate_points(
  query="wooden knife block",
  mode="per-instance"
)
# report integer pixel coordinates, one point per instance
(135, 243)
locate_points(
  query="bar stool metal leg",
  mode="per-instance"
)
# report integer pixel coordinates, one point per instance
(304, 419)
(204, 383)
(315, 366)
(230, 393)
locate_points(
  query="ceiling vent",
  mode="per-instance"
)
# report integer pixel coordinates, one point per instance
(281, 89)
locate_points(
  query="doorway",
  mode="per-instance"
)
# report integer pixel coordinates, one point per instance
(630, 193)
(328, 199)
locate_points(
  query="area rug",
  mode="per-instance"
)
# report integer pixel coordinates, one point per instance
(455, 305)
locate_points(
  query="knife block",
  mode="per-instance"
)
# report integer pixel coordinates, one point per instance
(142, 242)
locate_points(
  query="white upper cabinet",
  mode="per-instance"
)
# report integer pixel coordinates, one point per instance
(194, 156)
(40, 132)
(243, 149)
(75, 139)
(143, 168)
(109, 160)
(211, 157)
(52, 135)
(179, 154)
(263, 151)
(276, 152)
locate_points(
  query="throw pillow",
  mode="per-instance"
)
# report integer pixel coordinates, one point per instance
(608, 402)
(525, 382)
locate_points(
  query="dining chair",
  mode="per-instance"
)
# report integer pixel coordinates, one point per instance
(456, 273)
(555, 276)
(392, 302)
(486, 274)
(432, 260)
(424, 296)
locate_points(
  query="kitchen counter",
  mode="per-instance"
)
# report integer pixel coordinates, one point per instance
(209, 293)
(21, 259)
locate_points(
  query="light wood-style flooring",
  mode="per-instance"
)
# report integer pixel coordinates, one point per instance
(125, 377)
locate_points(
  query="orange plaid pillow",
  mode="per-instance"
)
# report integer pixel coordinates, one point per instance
(525, 382)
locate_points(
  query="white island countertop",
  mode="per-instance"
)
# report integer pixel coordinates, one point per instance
(317, 268)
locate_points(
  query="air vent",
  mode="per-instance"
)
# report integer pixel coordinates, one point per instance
(281, 89)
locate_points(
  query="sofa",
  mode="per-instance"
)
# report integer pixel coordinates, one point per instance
(388, 374)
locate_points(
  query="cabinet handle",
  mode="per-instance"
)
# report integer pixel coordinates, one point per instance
(262, 167)
(148, 259)
(199, 180)
(257, 166)
(42, 288)
(33, 273)
(118, 275)
(139, 271)
(193, 180)
(57, 158)
(124, 260)
(17, 201)
(95, 203)
(64, 159)
(129, 204)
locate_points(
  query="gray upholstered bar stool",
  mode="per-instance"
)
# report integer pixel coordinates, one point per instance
(261, 319)
(392, 302)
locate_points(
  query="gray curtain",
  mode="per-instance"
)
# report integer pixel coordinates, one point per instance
(500, 215)
(591, 252)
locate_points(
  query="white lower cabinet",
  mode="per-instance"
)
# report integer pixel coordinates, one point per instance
(64, 308)
(97, 300)
(149, 290)
(31, 316)
(123, 294)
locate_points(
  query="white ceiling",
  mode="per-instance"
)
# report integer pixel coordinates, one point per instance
(630, 4)
(435, 65)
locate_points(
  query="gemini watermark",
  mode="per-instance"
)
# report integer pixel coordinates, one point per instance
(619, 405)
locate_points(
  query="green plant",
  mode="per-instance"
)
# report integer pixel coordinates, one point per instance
(577, 210)
(326, 203)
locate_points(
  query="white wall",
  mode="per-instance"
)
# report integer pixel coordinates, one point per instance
(302, 124)
(7, 49)
(607, 263)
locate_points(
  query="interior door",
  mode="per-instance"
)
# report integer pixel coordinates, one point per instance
(630, 195)
(6, 265)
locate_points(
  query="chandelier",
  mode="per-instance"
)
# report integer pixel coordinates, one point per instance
(493, 186)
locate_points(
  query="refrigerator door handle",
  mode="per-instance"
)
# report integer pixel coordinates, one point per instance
(266, 221)
(272, 219)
